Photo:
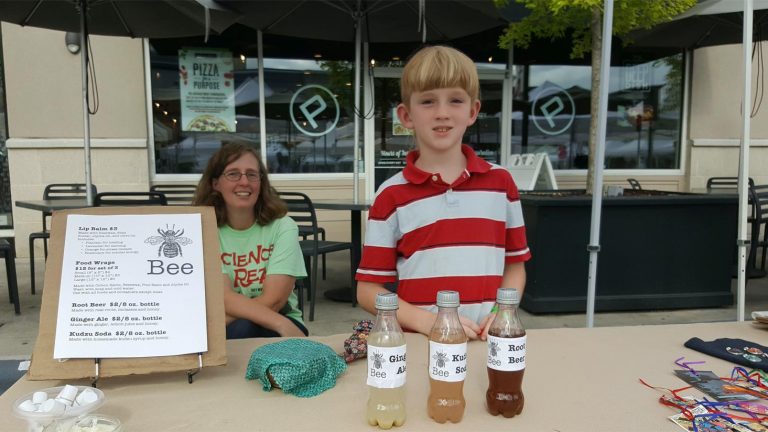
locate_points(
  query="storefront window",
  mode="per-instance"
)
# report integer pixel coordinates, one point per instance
(310, 119)
(191, 119)
(643, 126)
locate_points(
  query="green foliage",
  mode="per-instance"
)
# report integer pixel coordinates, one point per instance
(553, 19)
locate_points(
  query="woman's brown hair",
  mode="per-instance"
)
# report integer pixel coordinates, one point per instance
(269, 205)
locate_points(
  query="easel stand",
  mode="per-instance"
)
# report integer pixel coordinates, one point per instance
(190, 373)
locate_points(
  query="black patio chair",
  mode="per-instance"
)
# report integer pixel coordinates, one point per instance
(8, 253)
(306, 231)
(301, 210)
(53, 191)
(714, 183)
(760, 223)
(634, 184)
(176, 194)
(129, 199)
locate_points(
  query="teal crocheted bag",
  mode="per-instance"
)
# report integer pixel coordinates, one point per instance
(297, 366)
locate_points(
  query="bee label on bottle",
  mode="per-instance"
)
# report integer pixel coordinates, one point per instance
(447, 362)
(506, 354)
(386, 366)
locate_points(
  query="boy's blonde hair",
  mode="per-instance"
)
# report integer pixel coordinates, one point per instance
(436, 67)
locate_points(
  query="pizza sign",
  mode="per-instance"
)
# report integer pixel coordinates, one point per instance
(206, 82)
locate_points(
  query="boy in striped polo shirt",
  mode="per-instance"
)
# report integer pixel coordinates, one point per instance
(449, 220)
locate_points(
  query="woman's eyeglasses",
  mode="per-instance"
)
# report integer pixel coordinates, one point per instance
(233, 176)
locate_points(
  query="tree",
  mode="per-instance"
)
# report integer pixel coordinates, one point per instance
(582, 20)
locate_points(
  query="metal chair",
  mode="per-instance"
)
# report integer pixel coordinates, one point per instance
(176, 194)
(301, 210)
(8, 252)
(760, 223)
(634, 183)
(129, 199)
(54, 191)
(306, 231)
(714, 183)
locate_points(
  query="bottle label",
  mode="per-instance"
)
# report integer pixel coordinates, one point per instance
(447, 362)
(506, 354)
(386, 366)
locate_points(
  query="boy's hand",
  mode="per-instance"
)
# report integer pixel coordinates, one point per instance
(470, 328)
(485, 324)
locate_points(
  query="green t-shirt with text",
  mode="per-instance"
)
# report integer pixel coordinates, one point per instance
(248, 256)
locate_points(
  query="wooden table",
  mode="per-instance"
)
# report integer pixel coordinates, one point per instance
(355, 210)
(576, 380)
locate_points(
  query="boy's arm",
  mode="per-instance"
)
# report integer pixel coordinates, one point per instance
(409, 316)
(514, 277)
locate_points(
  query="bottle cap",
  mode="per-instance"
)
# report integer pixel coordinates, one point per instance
(507, 296)
(448, 298)
(386, 301)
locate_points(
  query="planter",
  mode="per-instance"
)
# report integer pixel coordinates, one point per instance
(663, 251)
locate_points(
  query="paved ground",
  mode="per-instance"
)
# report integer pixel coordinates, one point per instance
(18, 332)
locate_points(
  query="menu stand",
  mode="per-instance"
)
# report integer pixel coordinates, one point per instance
(45, 366)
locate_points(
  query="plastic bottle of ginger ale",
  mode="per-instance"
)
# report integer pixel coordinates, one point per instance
(386, 366)
(447, 361)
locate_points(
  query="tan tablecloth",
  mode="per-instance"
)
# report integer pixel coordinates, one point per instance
(576, 380)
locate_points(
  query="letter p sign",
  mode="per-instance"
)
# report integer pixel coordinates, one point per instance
(308, 115)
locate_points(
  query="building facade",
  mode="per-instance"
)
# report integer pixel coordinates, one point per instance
(164, 106)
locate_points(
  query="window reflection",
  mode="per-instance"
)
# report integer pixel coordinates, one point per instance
(180, 152)
(310, 123)
(644, 109)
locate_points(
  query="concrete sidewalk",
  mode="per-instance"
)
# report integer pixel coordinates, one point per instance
(18, 332)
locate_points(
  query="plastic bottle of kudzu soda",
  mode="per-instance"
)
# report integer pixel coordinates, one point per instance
(386, 366)
(447, 361)
(506, 357)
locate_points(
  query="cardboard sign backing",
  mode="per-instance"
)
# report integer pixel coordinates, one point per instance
(44, 366)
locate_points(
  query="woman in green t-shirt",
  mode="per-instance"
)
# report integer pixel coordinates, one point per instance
(260, 250)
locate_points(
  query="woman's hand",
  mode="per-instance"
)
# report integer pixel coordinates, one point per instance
(289, 329)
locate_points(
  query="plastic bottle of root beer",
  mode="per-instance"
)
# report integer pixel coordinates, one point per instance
(447, 361)
(386, 366)
(506, 357)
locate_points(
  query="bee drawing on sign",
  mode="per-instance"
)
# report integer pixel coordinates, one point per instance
(378, 358)
(493, 347)
(440, 358)
(170, 241)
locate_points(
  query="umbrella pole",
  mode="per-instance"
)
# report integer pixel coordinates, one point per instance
(86, 113)
(356, 110)
(597, 185)
(741, 240)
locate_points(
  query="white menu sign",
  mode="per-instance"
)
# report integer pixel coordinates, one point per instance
(132, 286)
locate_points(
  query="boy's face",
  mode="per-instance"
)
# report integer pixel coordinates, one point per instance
(439, 117)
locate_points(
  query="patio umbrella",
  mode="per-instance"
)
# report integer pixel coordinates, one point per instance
(370, 21)
(709, 23)
(718, 22)
(132, 18)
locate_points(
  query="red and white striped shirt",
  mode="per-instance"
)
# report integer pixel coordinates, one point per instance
(434, 236)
